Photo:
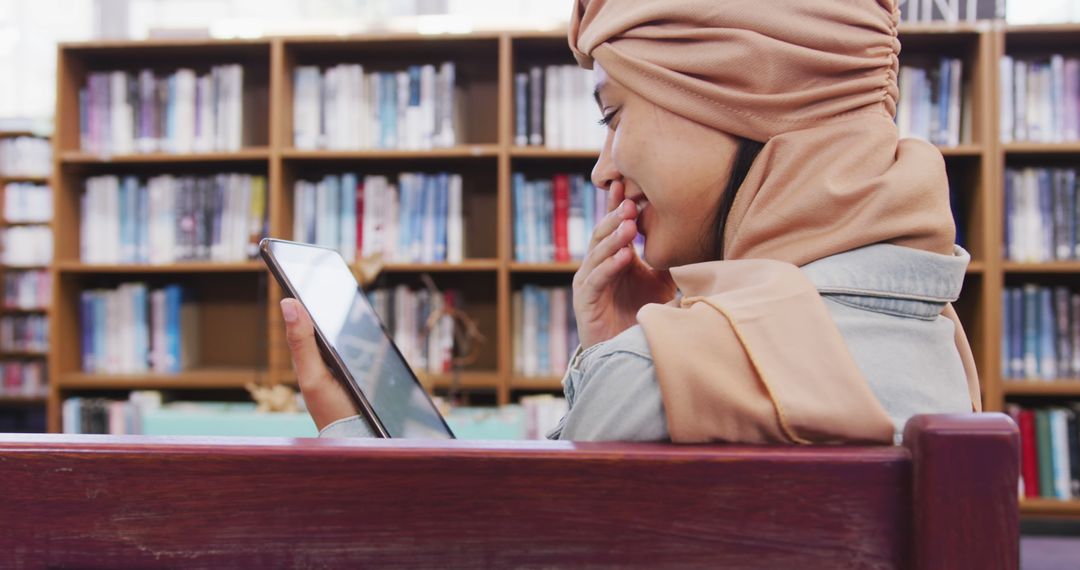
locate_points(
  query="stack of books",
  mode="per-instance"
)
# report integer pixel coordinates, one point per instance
(183, 112)
(24, 333)
(1040, 333)
(345, 108)
(1040, 99)
(1041, 214)
(933, 105)
(545, 331)
(133, 329)
(554, 218)
(27, 290)
(166, 219)
(27, 246)
(418, 321)
(29, 157)
(23, 378)
(418, 219)
(554, 107)
(27, 203)
(1049, 451)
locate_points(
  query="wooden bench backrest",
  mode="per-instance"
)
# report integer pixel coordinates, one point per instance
(946, 499)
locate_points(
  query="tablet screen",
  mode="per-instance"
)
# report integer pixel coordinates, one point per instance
(325, 285)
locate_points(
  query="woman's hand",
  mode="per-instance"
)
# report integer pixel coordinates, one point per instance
(326, 398)
(613, 282)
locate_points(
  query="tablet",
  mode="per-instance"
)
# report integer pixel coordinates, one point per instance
(354, 342)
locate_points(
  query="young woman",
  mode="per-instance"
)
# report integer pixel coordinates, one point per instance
(799, 259)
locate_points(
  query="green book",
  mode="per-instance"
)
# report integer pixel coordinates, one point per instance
(1046, 454)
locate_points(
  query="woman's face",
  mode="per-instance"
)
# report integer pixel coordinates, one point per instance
(673, 168)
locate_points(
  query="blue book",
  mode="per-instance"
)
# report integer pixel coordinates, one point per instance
(414, 85)
(1046, 213)
(173, 300)
(1047, 334)
(543, 326)
(127, 220)
(520, 240)
(142, 332)
(101, 311)
(1070, 206)
(348, 215)
(1009, 233)
(389, 108)
(86, 314)
(1006, 328)
(1031, 331)
(442, 204)
(426, 244)
(332, 215)
(1016, 332)
(142, 225)
(547, 205)
(72, 415)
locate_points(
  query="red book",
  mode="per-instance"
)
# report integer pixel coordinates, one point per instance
(1029, 460)
(560, 190)
(449, 298)
(360, 218)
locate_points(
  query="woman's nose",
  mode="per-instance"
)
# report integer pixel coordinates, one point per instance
(604, 172)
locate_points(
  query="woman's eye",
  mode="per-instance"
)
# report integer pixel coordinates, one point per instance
(606, 120)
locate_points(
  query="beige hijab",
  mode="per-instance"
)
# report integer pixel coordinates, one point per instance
(815, 81)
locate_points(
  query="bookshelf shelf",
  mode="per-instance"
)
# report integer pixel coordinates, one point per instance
(463, 151)
(1049, 507)
(546, 383)
(23, 354)
(7, 224)
(468, 379)
(28, 179)
(1064, 387)
(203, 378)
(245, 155)
(192, 267)
(466, 265)
(1037, 268)
(568, 267)
(23, 311)
(976, 267)
(1041, 149)
(549, 153)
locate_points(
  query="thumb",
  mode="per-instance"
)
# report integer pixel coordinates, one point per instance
(300, 336)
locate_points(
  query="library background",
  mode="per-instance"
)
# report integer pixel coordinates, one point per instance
(146, 146)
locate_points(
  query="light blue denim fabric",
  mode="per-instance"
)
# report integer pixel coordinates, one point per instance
(886, 301)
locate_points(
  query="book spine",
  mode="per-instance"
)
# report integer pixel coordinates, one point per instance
(521, 115)
(560, 217)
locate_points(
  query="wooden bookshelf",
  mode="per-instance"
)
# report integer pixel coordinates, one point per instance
(19, 401)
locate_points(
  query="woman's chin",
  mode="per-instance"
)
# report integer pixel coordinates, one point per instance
(655, 259)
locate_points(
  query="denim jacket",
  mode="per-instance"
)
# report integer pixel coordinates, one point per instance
(886, 301)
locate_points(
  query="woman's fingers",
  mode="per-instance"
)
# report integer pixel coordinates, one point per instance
(619, 238)
(602, 276)
(326, 399)
(625, 211)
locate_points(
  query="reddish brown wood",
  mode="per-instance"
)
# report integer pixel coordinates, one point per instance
(122, 502)
(965, 472)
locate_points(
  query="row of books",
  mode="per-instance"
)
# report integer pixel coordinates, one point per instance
(1049, 451)
(554, 107)
(27, 289)
(106, 415)
(134, 329)
(25, 156)
(23, 419)
(554, 218)
(24, 333)
(166, 219)
(543, 412)
(26, 202)
(23, 378)
(345, 108)
(545, 331)
(27, 246)
(933, 104)
(1040, 332)
(417, 220)
(421, 324)
(1041, 214)
(122, 112)
(1040, 99)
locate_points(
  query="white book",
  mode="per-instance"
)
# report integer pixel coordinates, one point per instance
(306, 106)
(204, 95)
(121, 115)
(1060, 439)
(428, 80)
(185, 111)
(390, 216)
(551, 107)
(1046, 111)
(447, 130)
(955, 98)
(402, 79)
(299, 190)
(236, 115)
(455, 225)
(566, 106)
(557, 331)
(1072, 99)
(1057, 97)
(374, 100)
(1020, 90)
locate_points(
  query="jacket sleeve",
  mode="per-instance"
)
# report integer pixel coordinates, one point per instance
(612, 393)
